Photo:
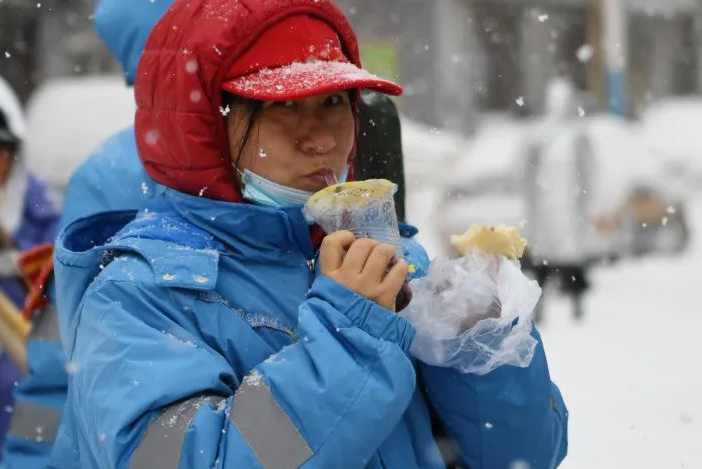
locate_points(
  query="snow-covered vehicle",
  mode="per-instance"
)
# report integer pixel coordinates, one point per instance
(601, 191)
(484, 184)
(68, 118)
(672, 133)
(426, 151)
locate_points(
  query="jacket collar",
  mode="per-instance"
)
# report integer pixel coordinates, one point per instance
(244, 225)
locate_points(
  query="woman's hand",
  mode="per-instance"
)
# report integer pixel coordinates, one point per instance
(362, 266)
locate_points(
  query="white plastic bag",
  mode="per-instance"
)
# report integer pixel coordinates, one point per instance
(473, 313)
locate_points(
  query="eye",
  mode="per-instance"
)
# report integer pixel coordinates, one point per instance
(336, 99)
(285, 104)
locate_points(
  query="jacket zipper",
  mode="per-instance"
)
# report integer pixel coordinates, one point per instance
(311, 263)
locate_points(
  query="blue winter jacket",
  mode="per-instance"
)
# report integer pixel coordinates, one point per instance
(202, 335)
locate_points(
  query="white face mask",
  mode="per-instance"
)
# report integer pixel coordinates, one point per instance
(262, 191)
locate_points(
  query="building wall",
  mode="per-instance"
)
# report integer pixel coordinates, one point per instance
(53, 40)
(664, 58)
(454, 58)
(432, 41)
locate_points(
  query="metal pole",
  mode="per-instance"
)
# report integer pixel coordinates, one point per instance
(614, 19)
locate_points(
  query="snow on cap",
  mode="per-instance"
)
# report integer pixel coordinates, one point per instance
(299, 57)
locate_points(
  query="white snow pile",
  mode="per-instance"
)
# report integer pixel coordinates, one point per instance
(426, 150)
(473, 313)
(671, 131)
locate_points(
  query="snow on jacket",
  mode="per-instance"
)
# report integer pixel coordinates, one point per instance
(201, 335)
(112, 178)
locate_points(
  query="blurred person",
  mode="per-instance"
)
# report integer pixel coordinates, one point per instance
(557, 183)
(28, 216)
(211, 329)
(28, 212)
(112, 178)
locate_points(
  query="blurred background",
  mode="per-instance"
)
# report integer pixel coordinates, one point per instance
(580, 121)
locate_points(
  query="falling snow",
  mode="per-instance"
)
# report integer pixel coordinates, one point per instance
(584, 53)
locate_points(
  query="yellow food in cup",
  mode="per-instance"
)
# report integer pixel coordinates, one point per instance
(352, 194)
(504, 240)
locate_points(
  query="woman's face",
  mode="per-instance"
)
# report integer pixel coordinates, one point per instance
(295, 143)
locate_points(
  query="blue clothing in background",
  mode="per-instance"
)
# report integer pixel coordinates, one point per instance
(112, 178)
(124, 25)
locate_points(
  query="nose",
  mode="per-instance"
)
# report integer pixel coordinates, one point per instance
(315, 137)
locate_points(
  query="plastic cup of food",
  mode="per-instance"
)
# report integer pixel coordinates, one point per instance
(365, 208)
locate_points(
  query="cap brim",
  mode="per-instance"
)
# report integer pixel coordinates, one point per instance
(300, 80)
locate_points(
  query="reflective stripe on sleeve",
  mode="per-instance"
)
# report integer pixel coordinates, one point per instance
(161, 446)
(270, 434)
(35, 422)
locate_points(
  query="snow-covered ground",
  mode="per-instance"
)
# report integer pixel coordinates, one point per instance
(631, 371)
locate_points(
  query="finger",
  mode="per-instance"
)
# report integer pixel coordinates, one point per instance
(358, 254)
(396, 277)
(378, 261)
(333, 250)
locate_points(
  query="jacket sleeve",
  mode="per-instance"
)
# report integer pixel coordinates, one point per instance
(507, 416)
(143, 404)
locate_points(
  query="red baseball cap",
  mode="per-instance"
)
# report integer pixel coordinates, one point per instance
(298, 57)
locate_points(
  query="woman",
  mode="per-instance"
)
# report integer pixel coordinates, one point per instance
(206, 331)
